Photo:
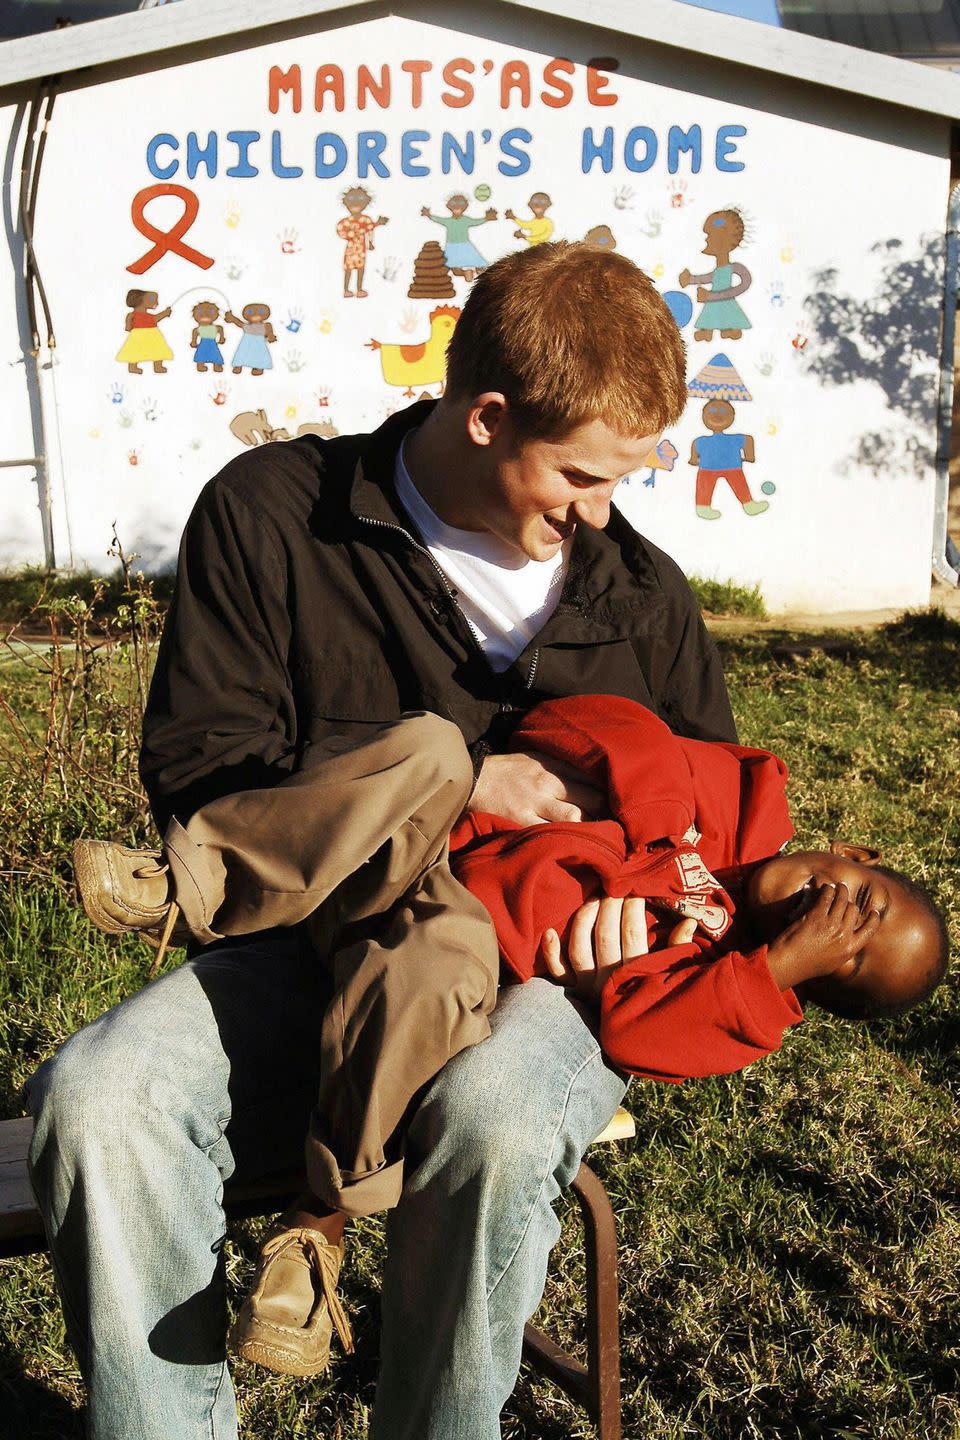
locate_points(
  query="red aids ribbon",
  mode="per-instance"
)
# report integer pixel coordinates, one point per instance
(166, 240)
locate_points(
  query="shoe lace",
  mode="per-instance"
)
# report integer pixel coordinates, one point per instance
(326, 1266)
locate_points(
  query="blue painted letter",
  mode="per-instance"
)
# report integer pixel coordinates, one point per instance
(592, 151)
(327, 169)
(508, 148)
(680, 142)
(640, 134)
(727, 144)
(162, 172)
(243, 139)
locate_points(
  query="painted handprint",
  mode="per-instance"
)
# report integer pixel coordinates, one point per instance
(294, 361)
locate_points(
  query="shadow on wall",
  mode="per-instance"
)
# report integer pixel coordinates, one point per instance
(892, 338)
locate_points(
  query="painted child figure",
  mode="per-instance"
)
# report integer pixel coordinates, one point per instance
(460, 253)
(207, 336)
(144, 339)
(696, 838)
(538, 230)
(721, 456)
(358, 230)
(258, 335)
(716, 290)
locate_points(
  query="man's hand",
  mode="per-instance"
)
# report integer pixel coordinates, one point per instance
(531, 789)
(823, 939)
(603, 934)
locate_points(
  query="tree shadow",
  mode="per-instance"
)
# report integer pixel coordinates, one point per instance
(890, 337)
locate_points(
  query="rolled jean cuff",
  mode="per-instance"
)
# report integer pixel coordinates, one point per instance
(356, 1194)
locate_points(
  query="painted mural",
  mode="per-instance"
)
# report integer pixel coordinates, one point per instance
(286, 236)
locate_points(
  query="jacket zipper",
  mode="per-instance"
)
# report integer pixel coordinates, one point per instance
(452, 597)
(448, 588)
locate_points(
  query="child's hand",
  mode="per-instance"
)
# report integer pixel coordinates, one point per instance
(823, 939)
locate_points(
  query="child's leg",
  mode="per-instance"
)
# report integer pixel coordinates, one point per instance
(410, 992)
(407, 998)
(379, 794)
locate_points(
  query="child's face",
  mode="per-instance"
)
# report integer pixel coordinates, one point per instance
(892, 967)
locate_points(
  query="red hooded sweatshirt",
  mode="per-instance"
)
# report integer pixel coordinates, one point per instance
(682, 811)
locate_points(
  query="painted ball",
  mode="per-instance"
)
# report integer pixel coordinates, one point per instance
(482, 192)
(768, 487)
(680, 307)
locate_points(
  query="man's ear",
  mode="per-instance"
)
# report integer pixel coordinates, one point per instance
(486, 416)
(863, 854)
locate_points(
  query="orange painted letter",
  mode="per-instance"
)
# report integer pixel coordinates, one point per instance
(515, 75)
(462, 88)
(597, 83)
(416, 69)
(288, 80)
(551, 76)
(329, 82)
(366, 85)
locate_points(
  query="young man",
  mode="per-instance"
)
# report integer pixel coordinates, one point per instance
(462, 560)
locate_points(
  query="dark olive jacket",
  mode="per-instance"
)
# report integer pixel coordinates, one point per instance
(304, 605)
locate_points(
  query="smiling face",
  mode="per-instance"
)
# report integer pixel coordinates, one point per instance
(533, 493)
(256, 314)
(893, 966)
(717, 415)
(356, 200)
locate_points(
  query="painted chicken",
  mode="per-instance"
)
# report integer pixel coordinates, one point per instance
(423, 364)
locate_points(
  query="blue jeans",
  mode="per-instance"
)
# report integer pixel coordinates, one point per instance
(210, 1072)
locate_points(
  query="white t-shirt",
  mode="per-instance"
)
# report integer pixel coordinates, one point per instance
(505, 596)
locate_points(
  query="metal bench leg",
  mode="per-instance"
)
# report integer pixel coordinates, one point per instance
(603, 1323)
(596, 1386)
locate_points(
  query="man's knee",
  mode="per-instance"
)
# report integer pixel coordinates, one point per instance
(77, 1095)
(534, 1094)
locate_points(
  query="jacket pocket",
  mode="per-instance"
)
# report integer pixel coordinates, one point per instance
(338, 687)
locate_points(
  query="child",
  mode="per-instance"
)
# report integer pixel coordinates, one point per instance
(700, 1008)
(697, 831)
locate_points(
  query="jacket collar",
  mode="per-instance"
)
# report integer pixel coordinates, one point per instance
(372, 494)
(598, 602)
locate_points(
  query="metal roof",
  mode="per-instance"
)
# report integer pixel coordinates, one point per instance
(775, 51)
(914, 29)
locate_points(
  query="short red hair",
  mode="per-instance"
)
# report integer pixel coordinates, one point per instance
(570, 334)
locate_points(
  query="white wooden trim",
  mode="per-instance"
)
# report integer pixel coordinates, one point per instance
(664, 22)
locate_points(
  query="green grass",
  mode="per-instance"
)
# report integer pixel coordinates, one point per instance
(725, 597)
(789, 1236)
(22, 589)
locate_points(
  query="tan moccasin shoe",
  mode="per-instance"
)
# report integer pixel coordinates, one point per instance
(287, 1320)
(124, 890)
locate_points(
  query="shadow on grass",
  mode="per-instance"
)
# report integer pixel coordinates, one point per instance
(921, 646)
(28, 1408)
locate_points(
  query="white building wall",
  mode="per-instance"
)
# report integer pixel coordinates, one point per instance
(844, 466)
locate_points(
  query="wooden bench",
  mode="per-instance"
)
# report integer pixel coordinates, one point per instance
(595, 1386)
